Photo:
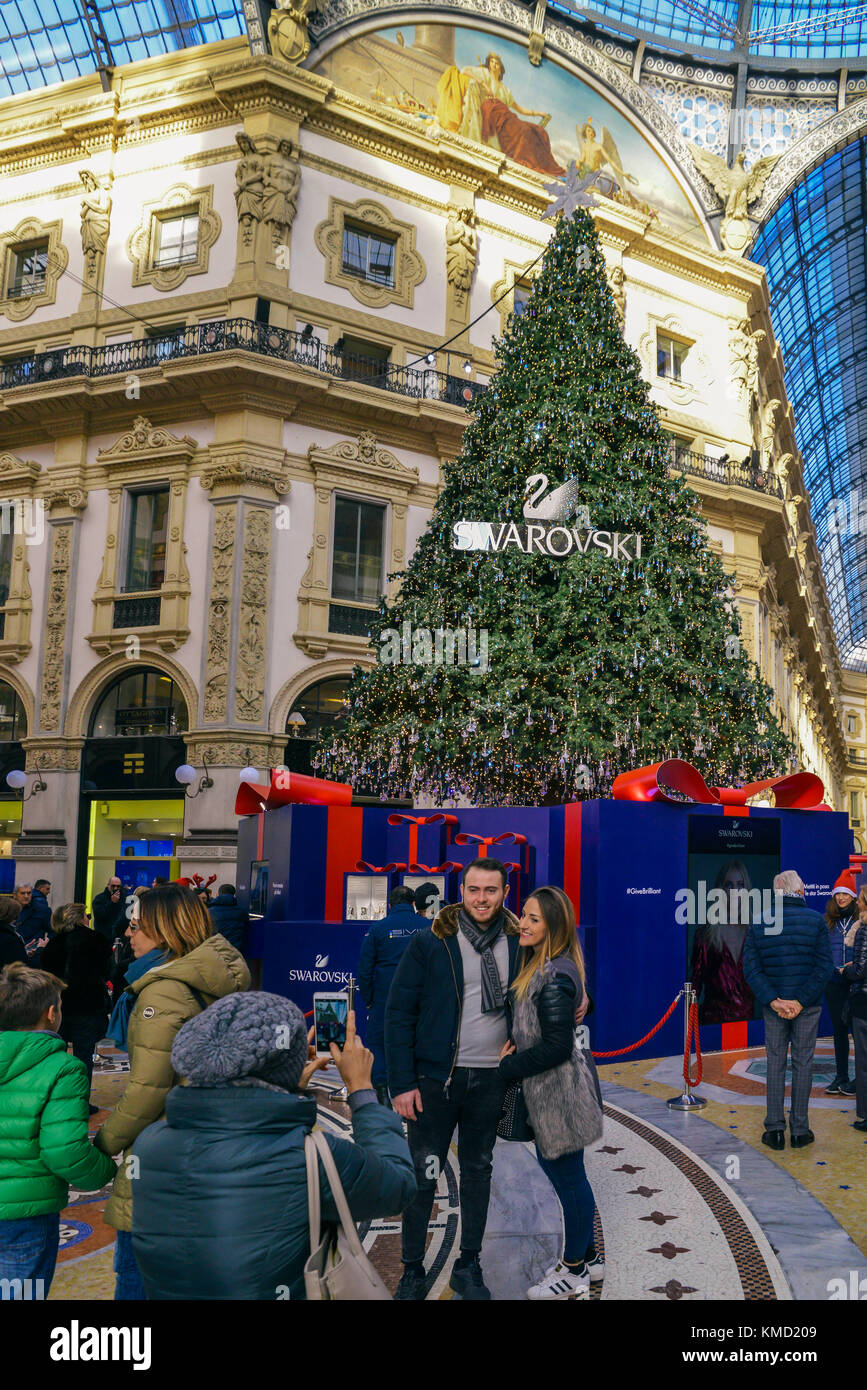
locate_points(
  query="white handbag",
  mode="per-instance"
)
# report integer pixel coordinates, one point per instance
(338, 1267)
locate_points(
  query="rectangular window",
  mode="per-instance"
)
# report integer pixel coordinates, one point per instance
(177, 239)
(7, 539)
(521, 295)
(853, 723)
(363, 361)
(359, 535)
(146, 544)
(855, 808)
(369, 255)
(29, 266)
(670, 356)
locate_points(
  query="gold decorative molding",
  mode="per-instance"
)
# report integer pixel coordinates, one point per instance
(146, 453)
(219, 621)
(54, 642)
(52, 756)
(409, 268)
(30, 230)
(253, 615)
(287, 29)
(223, 749)
(141, 244)
(231, 471)
(18, 480)
(353, 467)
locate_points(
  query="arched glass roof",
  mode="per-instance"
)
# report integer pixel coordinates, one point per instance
(764, 28)
(815, 255)
(46, 41)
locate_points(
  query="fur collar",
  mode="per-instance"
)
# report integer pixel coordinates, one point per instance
(446, 922)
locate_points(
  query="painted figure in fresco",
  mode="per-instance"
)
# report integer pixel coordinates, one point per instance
(595, 154)
(476, 103)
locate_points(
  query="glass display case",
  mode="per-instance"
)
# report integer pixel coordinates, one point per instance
(366, 897)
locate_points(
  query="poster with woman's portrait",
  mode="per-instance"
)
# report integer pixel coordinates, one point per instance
(731, 865)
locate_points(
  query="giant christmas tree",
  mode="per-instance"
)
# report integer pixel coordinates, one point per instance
(598, 660)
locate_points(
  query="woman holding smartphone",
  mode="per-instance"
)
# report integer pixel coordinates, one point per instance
(564, 1105)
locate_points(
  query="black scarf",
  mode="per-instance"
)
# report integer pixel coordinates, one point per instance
(484, 942)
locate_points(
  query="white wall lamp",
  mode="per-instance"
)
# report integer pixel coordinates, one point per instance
(17, 780)
(186, 775)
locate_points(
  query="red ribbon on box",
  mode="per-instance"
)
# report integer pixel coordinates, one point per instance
(508, 837)
(440, 818)
(796, 791)
(363, 867)
(446, 867)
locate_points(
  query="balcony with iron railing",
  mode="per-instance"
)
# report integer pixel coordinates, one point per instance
(231, 335)
(285, 345)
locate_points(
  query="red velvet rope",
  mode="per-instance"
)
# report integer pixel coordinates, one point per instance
(632, 1046)
(692, 1036)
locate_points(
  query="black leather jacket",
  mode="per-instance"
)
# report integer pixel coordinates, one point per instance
(856, 971)
(556, 1003)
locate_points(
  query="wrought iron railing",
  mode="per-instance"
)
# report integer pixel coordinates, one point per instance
(228, 335)
(349, 621)
(725, 470)
(142, 611)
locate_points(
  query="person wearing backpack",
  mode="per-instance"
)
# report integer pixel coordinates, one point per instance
(560, 1086)
(43, 1129)
(220, 1204)
(179, 969)
(82, 958)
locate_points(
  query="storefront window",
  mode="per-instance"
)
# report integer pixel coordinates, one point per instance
(140, 704)
(13, 725)
(311, 713)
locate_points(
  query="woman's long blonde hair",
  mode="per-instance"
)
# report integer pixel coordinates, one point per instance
(561, 938)
(174, 918)
(68, 917)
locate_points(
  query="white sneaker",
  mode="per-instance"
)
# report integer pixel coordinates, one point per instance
(561, 1283)
(594, 1267)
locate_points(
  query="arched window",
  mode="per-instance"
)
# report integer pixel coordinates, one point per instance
(314, 710)
(13, 723)
(141, 703)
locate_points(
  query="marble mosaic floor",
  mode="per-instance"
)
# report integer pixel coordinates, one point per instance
(689, 1206)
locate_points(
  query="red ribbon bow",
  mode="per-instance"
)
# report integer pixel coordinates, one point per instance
(796, 791)
(290, 788)
(446, 867)
(508, 837)
(362, 866)
(440, 818)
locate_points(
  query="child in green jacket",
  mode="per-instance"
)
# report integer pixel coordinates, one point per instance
(44, 1143)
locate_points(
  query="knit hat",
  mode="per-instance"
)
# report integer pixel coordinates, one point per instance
(846, 884)
(243, 1035)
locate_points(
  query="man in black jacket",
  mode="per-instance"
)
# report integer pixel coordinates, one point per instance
(446, 1023)
(34, 922)
(230, 920)
(381, 953)
(109, 910)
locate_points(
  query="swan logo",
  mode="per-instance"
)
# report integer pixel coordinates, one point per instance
(321, 962)
(547, 532)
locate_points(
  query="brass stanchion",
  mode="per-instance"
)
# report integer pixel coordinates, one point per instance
(688, 1101)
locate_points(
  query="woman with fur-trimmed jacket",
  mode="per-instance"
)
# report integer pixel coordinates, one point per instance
(561, 1090)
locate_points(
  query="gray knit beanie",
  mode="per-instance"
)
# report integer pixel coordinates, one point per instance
(243, 1035)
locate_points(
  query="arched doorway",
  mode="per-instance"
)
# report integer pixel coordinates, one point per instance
(132, 808)
(13, 728)
(317, 708)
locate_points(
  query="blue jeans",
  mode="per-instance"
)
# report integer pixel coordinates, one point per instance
(28, 1253)
(569, 1180)
(128, 1285)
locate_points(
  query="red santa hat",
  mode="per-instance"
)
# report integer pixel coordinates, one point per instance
(846, 884)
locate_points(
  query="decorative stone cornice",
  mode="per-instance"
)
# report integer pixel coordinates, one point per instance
(366, 460)
(230, 472)
(65, 498)
(146, 443)
(53, 755)
(17, 474)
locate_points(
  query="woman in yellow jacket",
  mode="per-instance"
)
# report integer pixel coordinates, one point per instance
(180, 968)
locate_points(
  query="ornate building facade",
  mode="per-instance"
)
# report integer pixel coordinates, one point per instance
(224, 406)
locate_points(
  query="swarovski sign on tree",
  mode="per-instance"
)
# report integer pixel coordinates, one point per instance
(600, 659)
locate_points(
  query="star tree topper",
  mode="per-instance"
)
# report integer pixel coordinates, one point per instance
(570, 194)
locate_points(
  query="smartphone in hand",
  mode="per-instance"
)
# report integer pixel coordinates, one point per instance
(330, 1012)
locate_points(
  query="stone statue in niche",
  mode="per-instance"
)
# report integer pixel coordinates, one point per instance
(249, 186)
(744, 358)
(95, 220)
(462, 249)
(280, 202)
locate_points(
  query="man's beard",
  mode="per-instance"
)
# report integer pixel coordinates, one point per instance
(486, 922)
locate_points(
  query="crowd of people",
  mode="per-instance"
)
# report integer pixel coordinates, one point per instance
(472, 1020)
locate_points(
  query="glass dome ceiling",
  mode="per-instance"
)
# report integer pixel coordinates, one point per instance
(46, 41)
(814, 250)
(765, 28)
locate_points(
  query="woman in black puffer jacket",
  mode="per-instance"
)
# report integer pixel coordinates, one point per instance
(856, 974)
(81, 957)
(561, 1090)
